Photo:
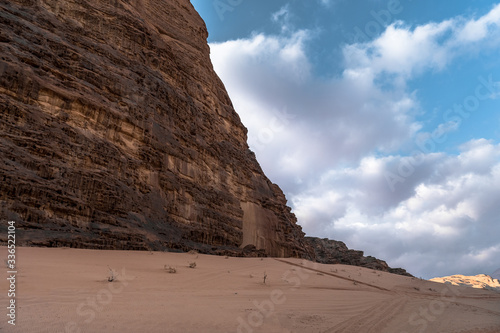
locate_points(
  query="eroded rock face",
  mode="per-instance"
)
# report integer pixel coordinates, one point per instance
(329, 251)
(117, 133)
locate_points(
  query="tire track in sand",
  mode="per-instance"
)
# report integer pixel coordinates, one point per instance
(373, 320)
(334, 275)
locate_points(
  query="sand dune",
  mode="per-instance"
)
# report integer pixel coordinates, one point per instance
(66, 290)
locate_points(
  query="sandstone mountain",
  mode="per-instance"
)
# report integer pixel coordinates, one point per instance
(116, 133)
(480, 281)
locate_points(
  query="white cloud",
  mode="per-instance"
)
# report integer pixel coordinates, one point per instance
(400, 50)
(283, 17)
(457, 212)
(475, 30)
(282, 14)
(329, 3)
(403, 51)
(334, 121)
(329, 144)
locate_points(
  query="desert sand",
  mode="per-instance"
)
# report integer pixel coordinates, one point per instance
(67, 290)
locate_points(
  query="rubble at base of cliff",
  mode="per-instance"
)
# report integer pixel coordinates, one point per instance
(329, 251)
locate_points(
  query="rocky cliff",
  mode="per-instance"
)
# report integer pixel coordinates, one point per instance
(116, 133)
(327, 251)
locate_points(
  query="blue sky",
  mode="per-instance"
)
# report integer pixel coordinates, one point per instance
(378, 118)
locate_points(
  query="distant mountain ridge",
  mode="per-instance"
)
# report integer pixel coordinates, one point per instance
(481, 281)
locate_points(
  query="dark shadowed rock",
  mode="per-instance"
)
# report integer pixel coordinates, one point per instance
(335, 252)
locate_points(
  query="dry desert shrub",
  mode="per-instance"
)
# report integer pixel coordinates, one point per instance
(112, 275)
(194, 252)
(170, 269)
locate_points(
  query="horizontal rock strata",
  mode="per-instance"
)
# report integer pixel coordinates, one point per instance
(116, 133)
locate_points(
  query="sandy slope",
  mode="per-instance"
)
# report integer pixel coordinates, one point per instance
(66, 290)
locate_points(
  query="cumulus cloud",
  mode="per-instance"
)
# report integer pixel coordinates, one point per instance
(333, 122)
(484, 27)
(400, 50)
(443, 215)
(405, 51)
(331, 143)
